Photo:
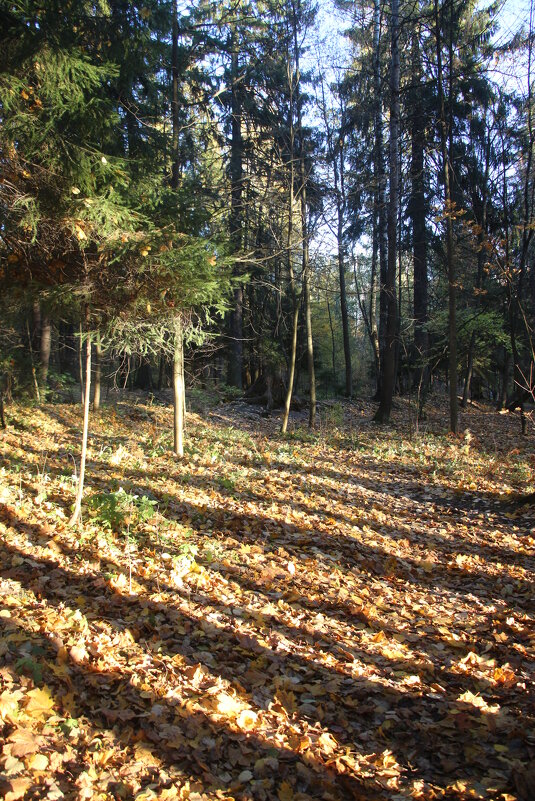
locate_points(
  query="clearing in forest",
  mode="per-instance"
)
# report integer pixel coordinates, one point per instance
(340, 615)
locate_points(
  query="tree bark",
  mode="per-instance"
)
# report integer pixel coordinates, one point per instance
(417, 209)
(98, 373)
(236, 213)
(445, 138)
(85, 427)
(380, 200)
(310, 343)
(44, 353)
(178, 389)
(291, 370)
(32, 364)
(389, 360)
(333, 342)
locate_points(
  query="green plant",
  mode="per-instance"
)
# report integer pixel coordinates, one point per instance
(30, 667)
(120, 508)
(226, 483)
(332, 416)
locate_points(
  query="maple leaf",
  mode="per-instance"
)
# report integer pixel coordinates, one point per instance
(285, 792)
(38, 762)
(14, 789)
(24, 742)
(9, 704)
(40, 703)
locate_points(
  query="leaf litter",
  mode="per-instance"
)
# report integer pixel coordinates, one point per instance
(337, 615)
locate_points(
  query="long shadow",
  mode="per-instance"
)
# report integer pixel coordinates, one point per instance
(488, 551)
(357, 554)
(188, 744)
(361, 552)
(69, 579)
(339, 613)
(121, 701)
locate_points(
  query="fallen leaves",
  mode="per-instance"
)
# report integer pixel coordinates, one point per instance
(300, 620)
(39, 703)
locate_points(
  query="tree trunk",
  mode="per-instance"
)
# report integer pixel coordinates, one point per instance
(339, 187)
(502, 400)
(291, 370)
(380, 203)
(289, 253)
(445, 137)
(32, 364)
(372, 315)
(44, 353)
(469, 370)
(236, 214)
(178, 389)
(333, 343)
(389, 361)
(85, 428)
(2, 418)
(98, 373)
(310, 343)
(417, 209)
(175, 109)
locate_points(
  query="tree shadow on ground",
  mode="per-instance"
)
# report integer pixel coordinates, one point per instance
(53, 584)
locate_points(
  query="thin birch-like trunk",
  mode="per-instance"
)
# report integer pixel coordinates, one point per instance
(98, 373)
(85, 427)
(178, 389)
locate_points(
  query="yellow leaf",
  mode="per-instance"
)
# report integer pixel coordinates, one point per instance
(286, 698)
(38, 762)
(247, 720)
(285, 792)
(143, 754)
(40, 703)
(327, 742)
(228, 705)
(9, 704)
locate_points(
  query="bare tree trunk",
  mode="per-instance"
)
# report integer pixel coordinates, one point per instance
(178, 389)
(2, 389)
(389, 360)
(236, 216)
(502, 400)
(85, 427)
(333, 344)
(98, 373)
(310, 343)
(469, 370)
(445, 136)
(44, 352)
(380, 189)
(417, 209)
(81, 364)
(32, 364)
(289, 254)
(372, 314)
(291, 371)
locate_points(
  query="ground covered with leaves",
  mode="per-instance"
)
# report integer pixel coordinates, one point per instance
(346, 614)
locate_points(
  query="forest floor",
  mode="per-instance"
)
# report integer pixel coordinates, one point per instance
(347, 614)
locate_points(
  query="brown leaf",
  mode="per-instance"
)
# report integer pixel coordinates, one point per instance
(24, 742)
(15, 788)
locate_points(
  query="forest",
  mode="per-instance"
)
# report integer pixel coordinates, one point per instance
(267, 400)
